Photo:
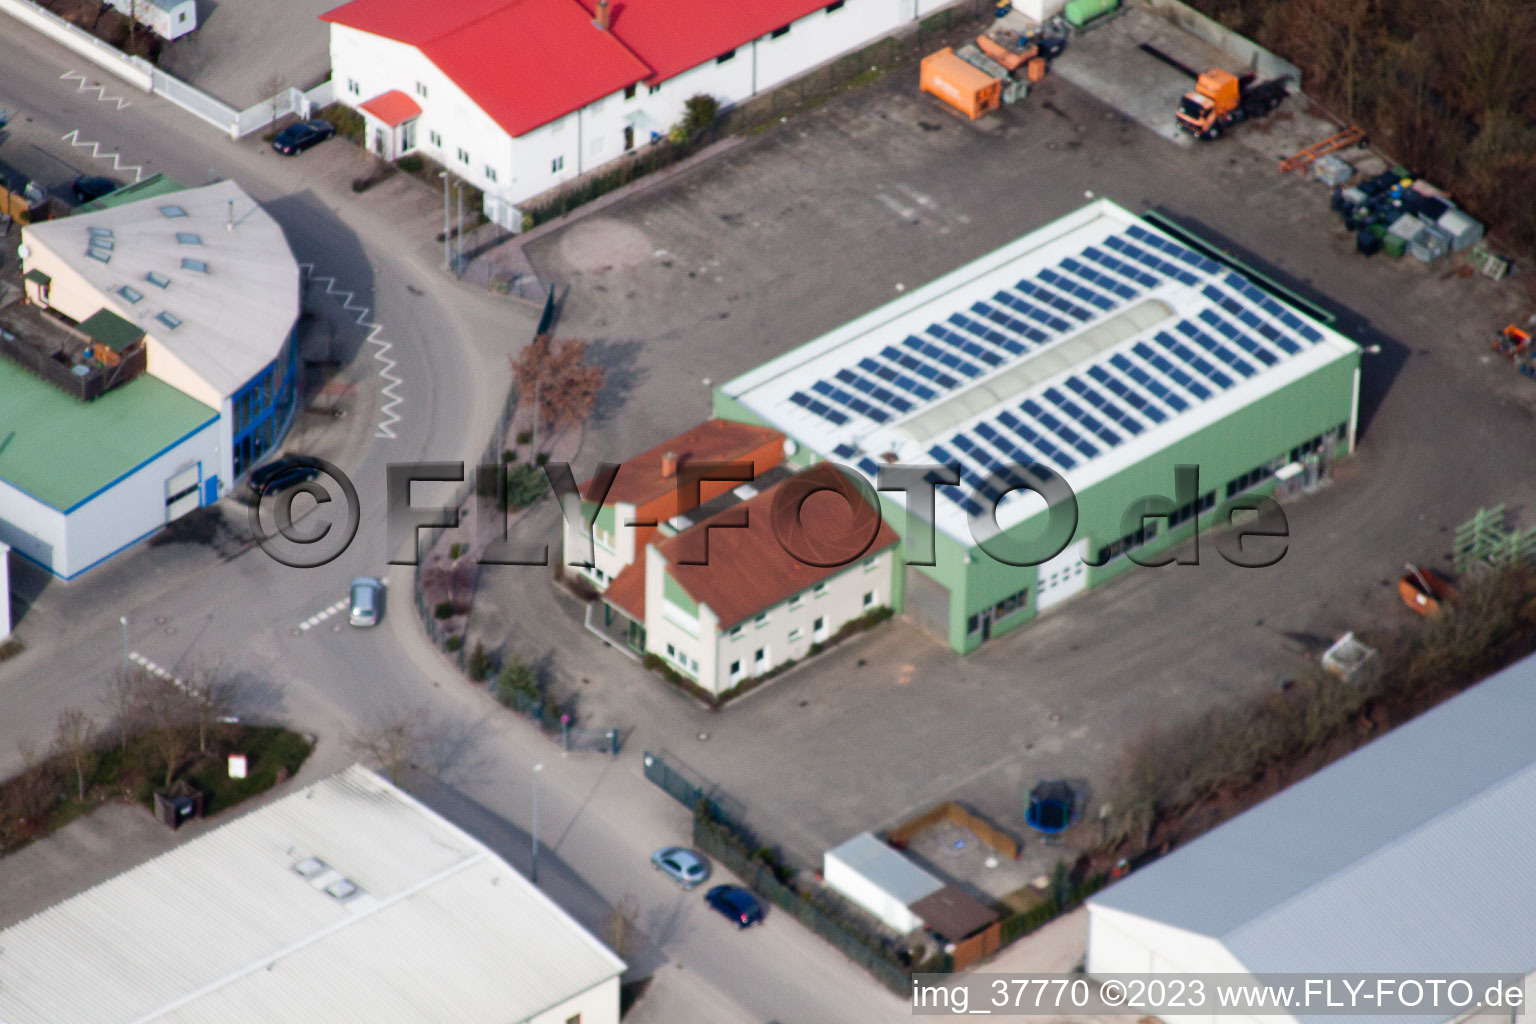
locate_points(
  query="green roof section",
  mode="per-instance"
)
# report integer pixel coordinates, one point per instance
(151, 187)
(61, 451)
(111, 330)
(36, 276)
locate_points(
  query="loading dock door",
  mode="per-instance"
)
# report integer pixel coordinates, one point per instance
(1062, 577)
(181, 493)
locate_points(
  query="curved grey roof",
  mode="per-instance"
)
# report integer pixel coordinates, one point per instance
(1414, 853)
(233, 314)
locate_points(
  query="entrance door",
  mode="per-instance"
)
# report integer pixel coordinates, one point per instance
(1062, 577)
(380, 142)
(629, 137)
(182, 493)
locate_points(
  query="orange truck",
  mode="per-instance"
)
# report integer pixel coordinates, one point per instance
(1222, 99)
(963, 86)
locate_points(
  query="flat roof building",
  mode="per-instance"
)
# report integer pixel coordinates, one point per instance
(148, 361)
(1097, 347)
(344, 901)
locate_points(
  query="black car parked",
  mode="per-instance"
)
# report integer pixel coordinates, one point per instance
(285, 472)
(88, 188)
(296, 138)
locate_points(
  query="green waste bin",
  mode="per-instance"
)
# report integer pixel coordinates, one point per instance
(1080, 12)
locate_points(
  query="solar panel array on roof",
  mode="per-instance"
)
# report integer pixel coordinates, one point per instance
(1095, 407)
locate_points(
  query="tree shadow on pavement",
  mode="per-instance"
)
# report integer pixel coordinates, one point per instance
(556, 878)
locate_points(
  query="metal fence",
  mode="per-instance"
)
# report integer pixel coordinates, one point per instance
(689, 788)
(718, 840)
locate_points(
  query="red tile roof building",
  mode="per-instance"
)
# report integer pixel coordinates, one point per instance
(527, 66)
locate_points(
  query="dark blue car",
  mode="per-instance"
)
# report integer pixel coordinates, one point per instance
(735, 903)
(296, 138)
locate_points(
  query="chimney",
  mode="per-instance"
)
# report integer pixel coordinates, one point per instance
(669, 465)
(601, 21)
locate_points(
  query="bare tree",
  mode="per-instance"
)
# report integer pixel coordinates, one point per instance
(273, 87)
(554, 376)
(123, 698)
(171, 714)
(75, 740)
(396, 742)
(212, 694)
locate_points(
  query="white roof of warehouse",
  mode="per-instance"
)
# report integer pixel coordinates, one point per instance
(1089, 309)
(1413, 853)
(225, 929)
(886, 868)
(234, 318)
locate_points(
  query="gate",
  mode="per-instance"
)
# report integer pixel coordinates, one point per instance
(688, 787)
(603, 741)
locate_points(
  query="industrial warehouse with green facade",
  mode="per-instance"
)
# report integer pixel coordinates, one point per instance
(1099, 347)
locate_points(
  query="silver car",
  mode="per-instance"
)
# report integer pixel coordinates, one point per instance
(367, 601)
(680, 864)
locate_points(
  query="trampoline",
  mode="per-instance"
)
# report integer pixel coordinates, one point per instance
(1052, 807)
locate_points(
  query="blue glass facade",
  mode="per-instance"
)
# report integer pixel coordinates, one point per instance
(262, 409)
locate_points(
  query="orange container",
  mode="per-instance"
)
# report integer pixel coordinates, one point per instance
(1009, 58)
(969, 90)
(1036, 69)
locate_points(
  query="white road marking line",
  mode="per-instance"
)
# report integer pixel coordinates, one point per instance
(320, 616)
(386, 364)
(156, 670)
(73, 138)
(101, 89)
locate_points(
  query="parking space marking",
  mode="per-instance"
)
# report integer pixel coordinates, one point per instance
(319, 617)
(101, 89)
(386, 364)
(156, 670)
(73, 138)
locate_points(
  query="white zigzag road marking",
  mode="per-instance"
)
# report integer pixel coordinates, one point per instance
(101, 90)
(386, 364)
(73, 138)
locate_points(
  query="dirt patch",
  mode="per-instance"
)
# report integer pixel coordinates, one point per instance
(108, 25)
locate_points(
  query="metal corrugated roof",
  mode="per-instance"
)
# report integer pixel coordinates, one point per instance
(886, 868)
(1412, 853)
(225, 929)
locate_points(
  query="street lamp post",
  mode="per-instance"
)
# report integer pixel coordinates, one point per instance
(533, 874)
(124, 620)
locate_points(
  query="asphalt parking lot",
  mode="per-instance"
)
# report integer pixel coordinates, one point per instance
(823, 218)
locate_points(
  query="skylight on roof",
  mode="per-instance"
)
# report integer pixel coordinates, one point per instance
(98, 253)
(310, 867)
(189, 238)
(157, 279)
(130, 293)
(169, 319)
(201, 266)
(342, 889)
(100, 232)
(172, 211)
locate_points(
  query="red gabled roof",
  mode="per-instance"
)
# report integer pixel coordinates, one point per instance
(393, 107)
(640, 478)
(748, 569)
(411, 21)
(529, 62)
(675, 35)
(627, 591)
(524, 62)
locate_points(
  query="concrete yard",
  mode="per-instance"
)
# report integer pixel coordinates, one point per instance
(241, 48)
(829, 215)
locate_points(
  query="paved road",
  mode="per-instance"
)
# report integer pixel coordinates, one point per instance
(601, 818)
